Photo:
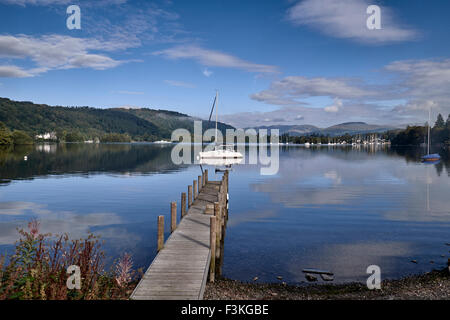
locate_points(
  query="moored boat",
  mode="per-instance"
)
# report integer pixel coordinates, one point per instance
(220, 151)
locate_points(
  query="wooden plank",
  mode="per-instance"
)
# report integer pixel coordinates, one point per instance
(180, 270)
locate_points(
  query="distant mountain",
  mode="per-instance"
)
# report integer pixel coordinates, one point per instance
(293, 130)
(354, 128)
(336, 130)
(168, 121)
(139, 124)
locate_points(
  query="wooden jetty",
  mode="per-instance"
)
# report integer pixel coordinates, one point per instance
(194, 250)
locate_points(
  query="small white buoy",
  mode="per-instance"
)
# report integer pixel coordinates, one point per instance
(25, 158)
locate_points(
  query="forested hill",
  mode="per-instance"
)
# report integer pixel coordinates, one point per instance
(90, 123)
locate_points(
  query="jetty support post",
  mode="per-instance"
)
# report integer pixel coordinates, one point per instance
(200, 184)
(226, 194)
(189, 196)
(222, 198)
(195, 189)
(160, 232)
(203, 179)
(173, 216)
(206, 176)
(183, 204)
(212, 265)
(218, 227)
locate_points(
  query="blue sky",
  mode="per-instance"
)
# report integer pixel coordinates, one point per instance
(273, 62)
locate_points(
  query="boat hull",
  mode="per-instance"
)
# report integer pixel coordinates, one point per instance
(431, 157)
(220, 154)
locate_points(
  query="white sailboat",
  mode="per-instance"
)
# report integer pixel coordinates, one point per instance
(430, 158)
(226, 152)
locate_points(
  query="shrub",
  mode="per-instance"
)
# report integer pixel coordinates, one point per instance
(38, 269)
(21, 138)
(5, 135)
(116, 137)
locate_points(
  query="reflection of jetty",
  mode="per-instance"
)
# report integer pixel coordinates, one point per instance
(194, 249)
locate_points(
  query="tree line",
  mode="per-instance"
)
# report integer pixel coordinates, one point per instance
(412, 135)
(415, 135)
(76, 124)
(15, 137)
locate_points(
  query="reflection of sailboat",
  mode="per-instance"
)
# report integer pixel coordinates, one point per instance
(435, 157)
(429, 181)
(220, 151)
(227, 162)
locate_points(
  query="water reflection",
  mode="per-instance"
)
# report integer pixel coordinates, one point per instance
(51, 159)
(357, 180)
(337, 208)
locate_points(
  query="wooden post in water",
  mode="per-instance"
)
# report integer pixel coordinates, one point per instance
(223, 204)
(203, 179)
(206, 176)
(183, 204)
(228, 192)
(199, 183)
(218, 227)
(160, 232)
(189, 196)
(173, 216)
(195, 189)
(212, 243)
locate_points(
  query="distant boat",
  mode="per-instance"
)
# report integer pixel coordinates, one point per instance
(434, 156)
(220, 151)
(162, 142)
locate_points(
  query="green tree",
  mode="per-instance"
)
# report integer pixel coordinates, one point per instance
(116, 137)
(21, 138)
(5, 135)
(439, 122)
(447, 124)
(74, 136)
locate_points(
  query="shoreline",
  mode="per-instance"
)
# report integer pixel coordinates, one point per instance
(434, 285)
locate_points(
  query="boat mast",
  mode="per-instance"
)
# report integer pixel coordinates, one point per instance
(217, 105)
(429, 120)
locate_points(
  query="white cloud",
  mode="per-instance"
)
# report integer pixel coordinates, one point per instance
(416, 85)
(13, 72)
(423, 84)
(55, 52)
(424, 79)
(332, 108)
(335, 106)
(347, 19)
(313, 115)
(55, 222)
(288, 90)
(213, 58)
(182, 84)
(110, 25)
(207, 72)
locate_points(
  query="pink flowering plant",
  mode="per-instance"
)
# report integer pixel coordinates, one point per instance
(38, 269)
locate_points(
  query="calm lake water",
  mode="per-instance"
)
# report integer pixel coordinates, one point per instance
(335, 208)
